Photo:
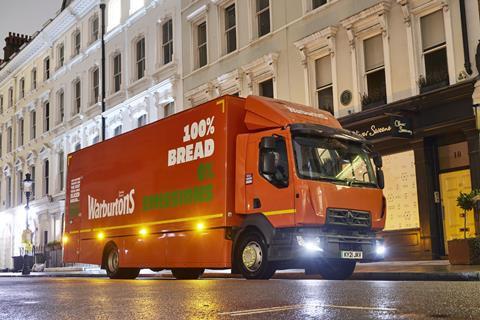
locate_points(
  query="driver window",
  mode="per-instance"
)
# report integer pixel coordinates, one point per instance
(280, 177)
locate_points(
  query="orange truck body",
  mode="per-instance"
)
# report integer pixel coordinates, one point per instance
(178, 192)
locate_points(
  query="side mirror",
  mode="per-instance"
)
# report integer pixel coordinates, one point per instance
(380, 178)
(267, 143)
(377, 160)
(268, 163)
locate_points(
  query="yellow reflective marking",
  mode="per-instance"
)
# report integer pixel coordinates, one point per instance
(222, 102)
(211, 216)
(276, 212)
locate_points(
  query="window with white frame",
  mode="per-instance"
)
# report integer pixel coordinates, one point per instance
(8, 201)
(376, 88)
(10, 97)
(76, 41)
(77, 96)
(117, 72)
(168, 109)
(114, 13)
(33, 124)
(34, 78)
(21, 131)
(1, 145)
(1, 104)
(19, 187)
(136, 5)
(318, 3)
(9, 139)
(201, 44)
(46, 68)
(434, 51)
(61, 170)
(167, 41)
(46, 116)
(95, 78)
(265, 88)
(61, 105)
(78, 146)
(96, 139)
(117, 131)
(94, 27)
(323, 83)
(262, 15)
(32, 176)
(140, 58)
(230, 25)
(46, 176)
(142, 120)
(61, 55)
(21, 93)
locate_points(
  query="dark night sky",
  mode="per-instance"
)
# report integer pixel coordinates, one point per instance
(25, 16)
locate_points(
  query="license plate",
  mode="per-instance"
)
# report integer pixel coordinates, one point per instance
(352, 254)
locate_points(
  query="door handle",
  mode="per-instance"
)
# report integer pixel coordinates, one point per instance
(256, 203)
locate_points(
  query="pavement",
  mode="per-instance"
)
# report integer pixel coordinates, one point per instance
(431, 270)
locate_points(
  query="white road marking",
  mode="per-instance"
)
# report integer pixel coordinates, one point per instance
(300, 306)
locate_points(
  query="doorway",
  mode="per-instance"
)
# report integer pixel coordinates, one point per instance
(451, 184)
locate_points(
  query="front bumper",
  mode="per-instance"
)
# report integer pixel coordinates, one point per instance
(295, 246)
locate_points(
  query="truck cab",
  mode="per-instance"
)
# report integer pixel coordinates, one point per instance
(309, 191)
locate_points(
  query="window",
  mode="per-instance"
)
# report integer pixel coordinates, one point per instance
(21, 90)
(61, 55)
(318, 3)
(117, 131)
(323, 83)
(374, 72)
(19, 187)
(142, 120)
(34, 78)
(263, 17)
(1, 145)
(61, 170)
(265, 88)
(46, 69)
(78, 146)
(95, 85)
(33, 124)
(94, 29)
(140, 58)
(167, 41)
(21, 132)
(434, 51)
(10, 97)
(9, 139)
(168, 109)
(77, 96)
(280, 177)
(46, 116)
(46, 176)
(114, 13)
(76, 40)
(1, 104)
(32, 173)
(61, 106)
(230, 29)
(117, 72)
(9, 192)
(96, 139)
(202, 44)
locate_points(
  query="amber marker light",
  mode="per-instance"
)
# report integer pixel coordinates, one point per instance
(200, 226)
(143, 232)
(65, 239)
(100, 235)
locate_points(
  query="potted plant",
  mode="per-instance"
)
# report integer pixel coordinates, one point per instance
(466, 250)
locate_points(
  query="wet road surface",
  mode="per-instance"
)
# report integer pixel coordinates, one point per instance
(151, 298)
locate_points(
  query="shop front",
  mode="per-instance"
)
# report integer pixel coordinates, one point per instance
(430, 147)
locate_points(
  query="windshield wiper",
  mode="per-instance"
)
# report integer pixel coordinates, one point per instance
(344, 182)
(361, 183)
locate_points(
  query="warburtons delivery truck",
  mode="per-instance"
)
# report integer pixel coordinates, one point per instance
(253, 184)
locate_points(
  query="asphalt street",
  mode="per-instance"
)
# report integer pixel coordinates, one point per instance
(153, 298)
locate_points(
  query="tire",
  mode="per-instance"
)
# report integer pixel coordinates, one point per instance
(336, 269)
(252, 257)
(187, 273)
(156, 269)
(112, 266)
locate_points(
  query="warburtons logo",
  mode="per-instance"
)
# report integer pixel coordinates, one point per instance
(124, 204)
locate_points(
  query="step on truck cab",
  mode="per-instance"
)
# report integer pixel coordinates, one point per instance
(253, 185)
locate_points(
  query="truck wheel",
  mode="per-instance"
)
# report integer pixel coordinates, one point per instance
(336, 269)
(113, 269)
(187, 273)
(252, 257)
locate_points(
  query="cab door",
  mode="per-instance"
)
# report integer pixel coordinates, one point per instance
(270, 194)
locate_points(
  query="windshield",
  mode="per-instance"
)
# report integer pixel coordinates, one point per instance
(330, 159)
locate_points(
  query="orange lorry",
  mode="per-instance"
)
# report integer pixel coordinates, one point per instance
(248, 184)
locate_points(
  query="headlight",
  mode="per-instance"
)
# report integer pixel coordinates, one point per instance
(310, 244)
(380, 249)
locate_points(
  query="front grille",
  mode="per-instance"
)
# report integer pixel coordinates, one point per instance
(348, 218)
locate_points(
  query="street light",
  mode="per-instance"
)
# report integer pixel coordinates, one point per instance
(27, 188)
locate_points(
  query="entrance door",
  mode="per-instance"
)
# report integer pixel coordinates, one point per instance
(450, 186)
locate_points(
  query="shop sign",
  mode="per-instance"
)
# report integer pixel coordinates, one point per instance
(392, 126)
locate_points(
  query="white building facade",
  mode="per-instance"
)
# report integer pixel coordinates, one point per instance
(163, 56)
